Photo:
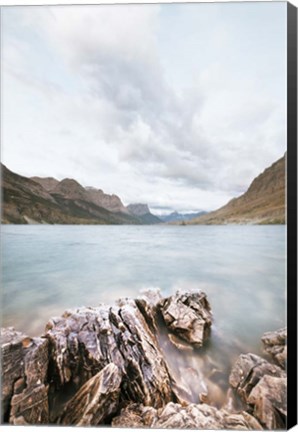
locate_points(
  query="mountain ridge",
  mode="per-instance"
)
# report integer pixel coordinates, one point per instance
(27, 201)
(262, 203)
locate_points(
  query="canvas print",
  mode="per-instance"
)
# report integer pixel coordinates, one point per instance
(143, 236)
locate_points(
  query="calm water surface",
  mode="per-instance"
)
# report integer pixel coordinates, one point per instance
(47, 269)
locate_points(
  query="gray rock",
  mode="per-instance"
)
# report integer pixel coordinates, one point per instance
(96, 400)
(188, 315)
(24, 378)
(275, 344)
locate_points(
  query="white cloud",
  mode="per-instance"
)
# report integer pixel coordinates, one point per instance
(145, 101)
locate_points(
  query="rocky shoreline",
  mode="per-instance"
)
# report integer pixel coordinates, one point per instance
(105, 365)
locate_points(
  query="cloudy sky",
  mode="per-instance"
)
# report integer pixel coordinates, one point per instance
(177, 106)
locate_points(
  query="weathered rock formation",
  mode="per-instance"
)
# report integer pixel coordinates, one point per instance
(96, 400)
(175, 416)
(104, 365)
(110, 202)
(188, 315)
(262, 386)
(24, 378)
(48, 183)
(275, 344)
(84, 341)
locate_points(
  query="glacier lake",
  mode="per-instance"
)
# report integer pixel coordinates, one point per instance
(47, 269)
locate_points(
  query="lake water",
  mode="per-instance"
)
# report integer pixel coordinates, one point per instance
(48, 269)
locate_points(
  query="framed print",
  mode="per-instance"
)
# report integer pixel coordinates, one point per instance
(149, 215)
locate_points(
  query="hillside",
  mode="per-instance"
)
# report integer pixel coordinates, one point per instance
(27, 201)
(262, 203)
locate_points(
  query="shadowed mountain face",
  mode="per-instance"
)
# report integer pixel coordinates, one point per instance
(143, 213)
(262, 203)
(66, 202)
(175, 216)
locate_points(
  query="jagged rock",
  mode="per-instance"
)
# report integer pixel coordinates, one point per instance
(248, 371)
(84, 341)
(189, 417)
(275, 344)
(147, 302)
(96, 400)
(188, 315)
(269, 398)
(12, 364)
(24, 378)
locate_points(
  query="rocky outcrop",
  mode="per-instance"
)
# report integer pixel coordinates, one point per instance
(262, 386)
(96, 400)
(269, 401)
(70, 189)
(107, 365)
(110, 202)
(175, 416)
(262, 203)
(188, 316)
(275, 344)
(48, 183)
(24, 378)
(84, 341)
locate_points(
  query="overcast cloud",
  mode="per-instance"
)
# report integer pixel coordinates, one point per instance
(178, 106)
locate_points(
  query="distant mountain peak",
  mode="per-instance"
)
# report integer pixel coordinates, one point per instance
(138, 209)
(142, 211)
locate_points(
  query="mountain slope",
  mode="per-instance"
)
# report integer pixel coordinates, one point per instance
(262, 203)
(48, 183)
(69, 187)
(26, 201)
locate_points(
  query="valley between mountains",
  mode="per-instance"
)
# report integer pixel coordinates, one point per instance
(49, 201)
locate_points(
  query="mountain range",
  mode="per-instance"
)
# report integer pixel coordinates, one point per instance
(176, 217)
(47, 200)
(262, 203)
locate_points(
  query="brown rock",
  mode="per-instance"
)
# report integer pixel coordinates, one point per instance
(96, 400)
(189, 417)
(269, 398)
(12, 364)
(24, 376)
(275, 344)
(188, 315)
(247, 372)
(84, 341)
